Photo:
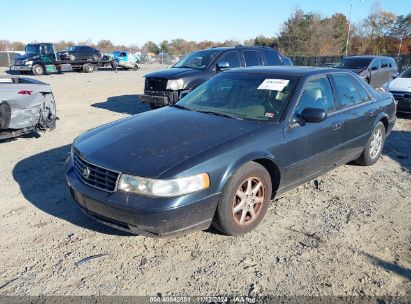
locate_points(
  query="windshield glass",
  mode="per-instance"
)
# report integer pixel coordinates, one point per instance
(406, 73)
(32, 49)
(243, 96)
(354, 63)
(197, 60)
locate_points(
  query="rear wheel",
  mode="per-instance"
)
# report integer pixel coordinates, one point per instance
(374, 146)
(38, 69)
(244, 201)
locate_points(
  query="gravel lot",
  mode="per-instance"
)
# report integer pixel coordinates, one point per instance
(346, 233)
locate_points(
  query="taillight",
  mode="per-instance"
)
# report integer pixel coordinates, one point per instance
(25, 92)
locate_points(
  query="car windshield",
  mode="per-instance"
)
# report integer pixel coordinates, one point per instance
(32, 49)
(197, 60)
(242, 96)
(354, 63)
(406, 73)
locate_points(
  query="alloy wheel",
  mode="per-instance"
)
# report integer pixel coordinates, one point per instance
(248, 201)
(376, 143)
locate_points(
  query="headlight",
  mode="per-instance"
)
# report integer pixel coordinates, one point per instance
(29, 62)
(163, 188)
(174, 85)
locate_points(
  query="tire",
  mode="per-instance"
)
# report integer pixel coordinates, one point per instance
(72, 57)
(234, 214)
(38, 69)
(88, 68)
(95, 57)
(373, 149)
(5, 115)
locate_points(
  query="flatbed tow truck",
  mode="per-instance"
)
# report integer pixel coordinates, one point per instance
(41, 58)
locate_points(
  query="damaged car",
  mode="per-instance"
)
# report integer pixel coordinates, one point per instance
(26, 105)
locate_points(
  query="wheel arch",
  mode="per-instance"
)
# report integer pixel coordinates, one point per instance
(265, 160)
(384, 119)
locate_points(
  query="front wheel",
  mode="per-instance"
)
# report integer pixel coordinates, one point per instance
(38, 69)
(95, 57)
(244, 200)
(374, 146)
(72, 57)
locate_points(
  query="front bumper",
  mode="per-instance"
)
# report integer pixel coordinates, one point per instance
(404, 102)
(136, 214)
(25, 68)
(160, 98)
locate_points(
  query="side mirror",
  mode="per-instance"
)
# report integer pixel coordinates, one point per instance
(313, 115)
(395, 75)
(223, 65)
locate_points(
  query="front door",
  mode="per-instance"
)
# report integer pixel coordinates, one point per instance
(313, 148)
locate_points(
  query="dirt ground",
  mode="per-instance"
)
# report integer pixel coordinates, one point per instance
(347, 233)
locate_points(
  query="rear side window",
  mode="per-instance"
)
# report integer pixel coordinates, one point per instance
(272, 57)
(347, 92)
(233, 59)
(384, 63)
(317, 94)
(252, 58)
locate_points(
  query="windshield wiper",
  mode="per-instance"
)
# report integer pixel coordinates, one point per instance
(220, 114)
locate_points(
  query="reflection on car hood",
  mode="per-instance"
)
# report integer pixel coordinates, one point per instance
(174, 73)
(400, 85)
(25, 56)
(150, 143)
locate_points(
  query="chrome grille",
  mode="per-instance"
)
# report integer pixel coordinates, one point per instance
(95, 176)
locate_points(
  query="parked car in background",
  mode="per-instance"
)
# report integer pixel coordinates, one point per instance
(375, 70)
(26, 104)
(223, 152)
(125, 60)
(80, 52)
(400, 87)
(166, 87)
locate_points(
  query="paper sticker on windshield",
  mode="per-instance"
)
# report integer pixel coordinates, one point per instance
(273, 84)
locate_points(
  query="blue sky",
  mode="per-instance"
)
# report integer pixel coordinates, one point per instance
(136, 22)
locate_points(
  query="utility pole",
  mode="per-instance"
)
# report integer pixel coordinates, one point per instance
(399, 49)
(348, 33)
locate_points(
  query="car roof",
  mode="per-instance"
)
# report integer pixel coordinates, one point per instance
(286, 70)
(242, 47)
(368, 57)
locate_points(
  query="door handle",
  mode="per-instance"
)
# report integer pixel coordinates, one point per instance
(337, 125)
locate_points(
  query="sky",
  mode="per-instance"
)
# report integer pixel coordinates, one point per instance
(135, 22)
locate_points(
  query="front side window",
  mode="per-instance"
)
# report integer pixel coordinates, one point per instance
(384, 63)
(317, 94)
(347, 92)
(197, 60)
(233, 59)
(375, 65)
(406, 74)
(244, 96)
(252, 58)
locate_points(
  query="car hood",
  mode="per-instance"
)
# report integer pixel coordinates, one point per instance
(152, 142)
(174, 73)
(400, 85)
(25, 56)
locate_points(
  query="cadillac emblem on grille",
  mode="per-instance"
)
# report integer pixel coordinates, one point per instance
(86, 172)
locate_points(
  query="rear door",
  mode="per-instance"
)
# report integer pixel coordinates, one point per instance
(313, 148)
(358, 111)
(252, 58)
(272, 57)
